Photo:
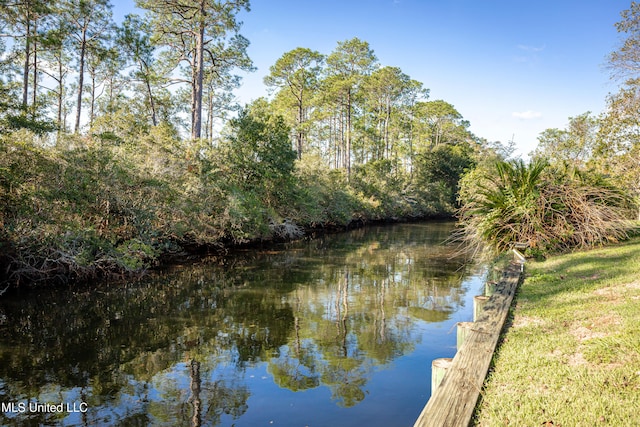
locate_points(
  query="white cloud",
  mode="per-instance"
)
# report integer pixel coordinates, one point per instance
(527, 115)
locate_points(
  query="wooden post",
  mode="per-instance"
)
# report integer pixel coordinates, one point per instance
(438, 369)
(489, 288)
(479, 302)
(463, 329)
(521, 246)
(495, 274)
(518, 255)
(517, 247)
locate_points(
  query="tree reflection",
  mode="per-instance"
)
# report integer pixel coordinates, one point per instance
(195, 393)
(175, 349)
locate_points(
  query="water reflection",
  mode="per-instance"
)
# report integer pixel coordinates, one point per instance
(298, 335)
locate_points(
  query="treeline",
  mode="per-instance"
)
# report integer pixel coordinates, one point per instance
(121, 143)
(69, 66)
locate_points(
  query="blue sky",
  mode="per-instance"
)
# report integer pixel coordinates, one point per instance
(512, 68)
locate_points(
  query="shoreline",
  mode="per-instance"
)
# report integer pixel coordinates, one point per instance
(191, 252)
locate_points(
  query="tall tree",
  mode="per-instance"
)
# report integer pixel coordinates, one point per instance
(56, 58)
(297, 72)
(617, 150)
(385, 89)
(414, 94)
(134, 37)
(573, 145)
(103, 65)
(218, 99)
(91, 24)
(202, 34)
(444, 123)
(619, 135)
(347, 65)
(25, 21)
(624, 62)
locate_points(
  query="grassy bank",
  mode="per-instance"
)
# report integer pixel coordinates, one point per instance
(571, 355)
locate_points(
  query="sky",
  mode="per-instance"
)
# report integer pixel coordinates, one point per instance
(512, 68)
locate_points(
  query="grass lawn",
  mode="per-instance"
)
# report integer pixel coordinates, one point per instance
(570, 355)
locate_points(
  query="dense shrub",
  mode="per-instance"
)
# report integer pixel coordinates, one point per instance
(94, 206)
(258, 156)
(321, 196)
(71, 213)
(548, 208)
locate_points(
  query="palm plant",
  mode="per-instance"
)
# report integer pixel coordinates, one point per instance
(548, 209)
(500, 210)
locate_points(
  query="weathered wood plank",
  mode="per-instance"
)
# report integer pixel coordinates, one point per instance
(453, 402)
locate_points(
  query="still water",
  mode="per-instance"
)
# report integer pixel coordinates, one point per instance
(336, 331)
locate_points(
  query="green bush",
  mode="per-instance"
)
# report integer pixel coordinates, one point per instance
(549, 209)
(438, 171)
(94, 206)
(259, 156)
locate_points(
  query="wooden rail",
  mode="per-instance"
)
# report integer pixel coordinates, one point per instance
(452, 403)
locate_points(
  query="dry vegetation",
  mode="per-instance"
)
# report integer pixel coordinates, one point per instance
(550, 209)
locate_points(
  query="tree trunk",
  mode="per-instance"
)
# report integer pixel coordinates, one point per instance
(348, 147)
(152, 105)
(331, 148)
(386, 129)
(195, 399)
(300, 121)
(196, 126)
(93, 98)
(60, 92)
(411, 142)
(35, 71)
(211, 118)
(83, 48)
(193, 94)
(27, 57)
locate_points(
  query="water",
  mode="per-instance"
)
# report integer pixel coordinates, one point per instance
(337, 331)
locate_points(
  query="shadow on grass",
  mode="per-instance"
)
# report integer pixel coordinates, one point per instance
(581, 270)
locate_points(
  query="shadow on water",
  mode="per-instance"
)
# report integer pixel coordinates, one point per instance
(329, 331)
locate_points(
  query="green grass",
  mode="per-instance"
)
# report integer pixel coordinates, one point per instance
(571, 353)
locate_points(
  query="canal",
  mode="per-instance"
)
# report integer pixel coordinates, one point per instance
(334, 331)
